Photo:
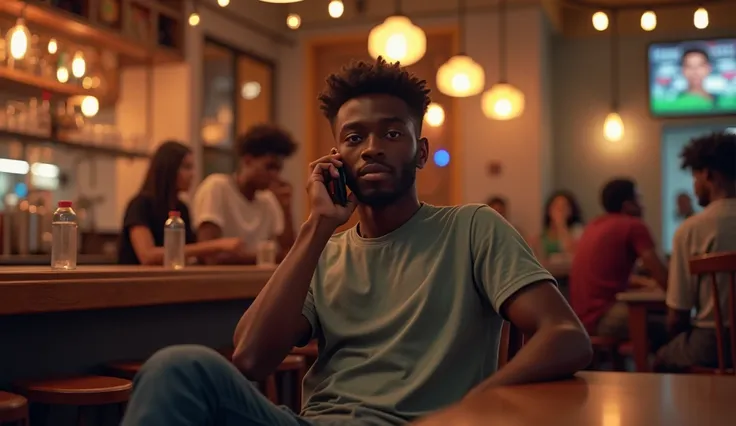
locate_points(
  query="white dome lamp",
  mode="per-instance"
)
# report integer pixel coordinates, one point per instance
(503, 101)
(461, 76)
(397, 39)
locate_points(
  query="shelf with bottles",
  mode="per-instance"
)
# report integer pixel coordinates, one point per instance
(65, 125)
(138, 31)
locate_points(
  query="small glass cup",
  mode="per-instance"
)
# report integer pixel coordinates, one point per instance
(266, 254)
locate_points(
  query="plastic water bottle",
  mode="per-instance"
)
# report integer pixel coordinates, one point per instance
(64, 237)
(174, 241)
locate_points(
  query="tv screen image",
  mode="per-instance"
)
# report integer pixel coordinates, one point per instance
(692, 78)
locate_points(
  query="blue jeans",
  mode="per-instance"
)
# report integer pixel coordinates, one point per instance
(192, 386)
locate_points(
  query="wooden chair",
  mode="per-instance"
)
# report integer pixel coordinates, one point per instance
(310, 352)
(13, 409)
(82, 392)
(512, 339)
(711, 265)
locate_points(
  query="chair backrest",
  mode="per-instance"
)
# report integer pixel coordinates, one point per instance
(712, 265)
(512, 339)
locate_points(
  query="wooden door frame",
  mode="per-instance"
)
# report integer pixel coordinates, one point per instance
(313, 43)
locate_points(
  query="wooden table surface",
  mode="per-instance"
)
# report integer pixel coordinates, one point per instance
(615, 399)
(26, 290)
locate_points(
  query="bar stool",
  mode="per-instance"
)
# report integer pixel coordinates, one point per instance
(296, 366)
(13, 409)
(82, 392)
(310, 352)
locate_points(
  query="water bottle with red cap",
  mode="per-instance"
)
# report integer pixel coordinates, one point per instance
(174, 241)
(64, 237)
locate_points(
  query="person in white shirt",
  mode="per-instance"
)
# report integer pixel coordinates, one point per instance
(253, 204)
(691, 319)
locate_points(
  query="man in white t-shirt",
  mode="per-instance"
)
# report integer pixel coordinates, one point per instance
(252, 204)
(691, 319)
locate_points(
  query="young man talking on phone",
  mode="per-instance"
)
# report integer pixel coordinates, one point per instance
(407, 305)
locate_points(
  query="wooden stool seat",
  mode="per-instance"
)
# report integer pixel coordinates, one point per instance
(79, 391)
(13, 408)
(291, 363)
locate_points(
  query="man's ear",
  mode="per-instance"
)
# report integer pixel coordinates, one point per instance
(422, 152)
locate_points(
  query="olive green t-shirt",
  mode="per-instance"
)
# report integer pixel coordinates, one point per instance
(408, 323)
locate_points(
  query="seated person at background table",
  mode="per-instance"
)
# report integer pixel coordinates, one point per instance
(712, 160)
(253, 204)
(170, 172)
(501, 206)
(563, 226)
(407, 305)
(605, 258)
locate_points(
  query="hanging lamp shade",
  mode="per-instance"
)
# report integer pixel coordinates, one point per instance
(397, 39)
(502, 102)
(461, 77)
(613, 127)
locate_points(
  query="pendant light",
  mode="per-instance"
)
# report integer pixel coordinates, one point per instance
(613, 126)
(461, 76)
(397, 39)
(503, 101)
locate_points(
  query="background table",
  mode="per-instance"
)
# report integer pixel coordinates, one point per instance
(614, 399)
(640, 304)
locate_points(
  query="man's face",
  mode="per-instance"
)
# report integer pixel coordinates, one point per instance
(695, 68)
(380, 148)
(684, 205)
(262, 171)
(701, 186)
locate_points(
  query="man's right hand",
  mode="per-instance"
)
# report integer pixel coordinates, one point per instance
(322, 205)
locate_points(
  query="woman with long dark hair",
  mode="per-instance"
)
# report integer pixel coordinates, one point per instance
(562, 227)
(170, 172)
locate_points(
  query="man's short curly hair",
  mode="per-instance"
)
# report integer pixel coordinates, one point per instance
(715, 152)
(379, 77)
(265, 139)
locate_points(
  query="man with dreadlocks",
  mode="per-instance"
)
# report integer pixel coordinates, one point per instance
(407, 306)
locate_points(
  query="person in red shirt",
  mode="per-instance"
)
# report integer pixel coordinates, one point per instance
(605, 258)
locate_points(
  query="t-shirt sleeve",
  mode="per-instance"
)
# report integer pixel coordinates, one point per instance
(208, 205)
(138, 213)
(277, 224)
(502, 261)
(680, 288)
(640, 238)
(309, 311)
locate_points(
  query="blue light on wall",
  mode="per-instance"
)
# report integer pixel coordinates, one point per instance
(21, 190)
(441, 158)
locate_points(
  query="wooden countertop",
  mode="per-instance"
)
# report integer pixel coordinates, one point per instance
(606, 399)
(25, 290)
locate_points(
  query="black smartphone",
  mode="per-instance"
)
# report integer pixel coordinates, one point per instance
(337, 187)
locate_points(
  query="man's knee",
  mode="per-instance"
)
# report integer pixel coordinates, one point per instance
(185, 361)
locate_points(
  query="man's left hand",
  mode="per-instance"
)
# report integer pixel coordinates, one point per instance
(282, 190)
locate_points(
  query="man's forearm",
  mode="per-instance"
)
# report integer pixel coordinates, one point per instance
(268, 329)
(553, 352)
(286, 239)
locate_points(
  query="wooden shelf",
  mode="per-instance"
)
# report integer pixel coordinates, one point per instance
(45, 84)
(8, 136)
(85, 32)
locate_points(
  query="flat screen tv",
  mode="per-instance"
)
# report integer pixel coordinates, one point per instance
(692, 78)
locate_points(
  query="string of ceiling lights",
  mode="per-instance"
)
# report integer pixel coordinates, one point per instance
(648, 20)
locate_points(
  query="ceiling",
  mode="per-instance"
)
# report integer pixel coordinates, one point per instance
(633, 3)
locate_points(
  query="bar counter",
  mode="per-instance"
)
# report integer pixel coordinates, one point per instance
(57, 323)
(27, 290)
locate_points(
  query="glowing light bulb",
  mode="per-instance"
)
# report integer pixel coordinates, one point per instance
(87, 82)
(62, 74)
(293, 21)
(613, 127)
(194, 19)
(336, 8)
(18, 38)
(435, 115)
(79, 66)
(90, 106)
(223, 3)
(396, 46)
(700, 18)
(648, 21)
(600, 21)
(53, 46)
